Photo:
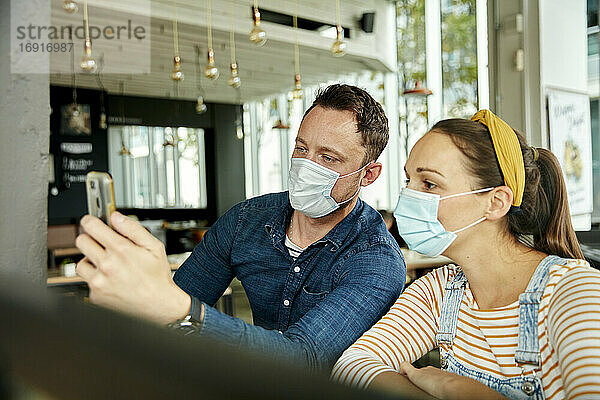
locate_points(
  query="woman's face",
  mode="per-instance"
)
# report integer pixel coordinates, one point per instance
(437, 166)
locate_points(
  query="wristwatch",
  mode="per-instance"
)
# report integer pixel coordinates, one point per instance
(188, 325)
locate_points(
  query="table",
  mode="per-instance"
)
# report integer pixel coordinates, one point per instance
(58, 280)
(225, 303)
(415, 261)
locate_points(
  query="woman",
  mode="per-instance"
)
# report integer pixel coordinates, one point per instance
(518, 316)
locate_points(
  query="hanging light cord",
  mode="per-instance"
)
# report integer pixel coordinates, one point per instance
(85, 21)
(232, 34)
(198, 78)
(175, 32)
(232, 45)
(208, 17)
(337, 13)
(296, 48)
(73, 83)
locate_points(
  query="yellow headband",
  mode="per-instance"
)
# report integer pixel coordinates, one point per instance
(508, 152)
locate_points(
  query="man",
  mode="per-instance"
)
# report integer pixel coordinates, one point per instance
(317, 263)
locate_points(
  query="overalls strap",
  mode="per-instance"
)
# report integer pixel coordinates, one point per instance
(453, 295)
(528, 348)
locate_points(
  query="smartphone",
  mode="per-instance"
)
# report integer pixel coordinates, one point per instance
(100, 195)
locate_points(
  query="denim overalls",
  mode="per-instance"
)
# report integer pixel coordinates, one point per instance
(527, 355)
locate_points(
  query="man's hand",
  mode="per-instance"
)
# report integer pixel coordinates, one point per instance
(446, 385)
(129, 271)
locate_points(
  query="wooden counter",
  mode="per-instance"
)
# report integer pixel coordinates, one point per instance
(76, 280)
(415, 261)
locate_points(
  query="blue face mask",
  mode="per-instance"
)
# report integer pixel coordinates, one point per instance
(418, 224)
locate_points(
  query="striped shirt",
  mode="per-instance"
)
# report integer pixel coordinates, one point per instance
(486, 340)
(293, 249)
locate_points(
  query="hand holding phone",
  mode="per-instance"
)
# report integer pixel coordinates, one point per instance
(100, 195)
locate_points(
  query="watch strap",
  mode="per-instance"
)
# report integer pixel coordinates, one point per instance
(189, 324)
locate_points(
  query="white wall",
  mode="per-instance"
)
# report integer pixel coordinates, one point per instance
(563, 40)
(563, 59)
(554, 40)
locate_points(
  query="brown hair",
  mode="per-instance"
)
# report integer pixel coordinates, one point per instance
(370, 118)
(544, 212)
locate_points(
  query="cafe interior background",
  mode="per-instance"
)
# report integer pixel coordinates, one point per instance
(195, 106)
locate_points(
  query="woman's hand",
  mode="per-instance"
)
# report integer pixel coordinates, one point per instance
(446, 385)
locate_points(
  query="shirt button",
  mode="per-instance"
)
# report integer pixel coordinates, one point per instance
(297, 269)
(286, 302)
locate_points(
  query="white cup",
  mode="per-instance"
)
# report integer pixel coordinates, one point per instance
(68, 270)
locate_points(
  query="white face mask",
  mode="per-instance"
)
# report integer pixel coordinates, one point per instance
(418, 224)
(310, 186)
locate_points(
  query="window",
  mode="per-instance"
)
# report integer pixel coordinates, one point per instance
(595, 124)
(459, 59)
(592, 13)
(156, 167)
(593, 39)
(412, 64)
(439, 44)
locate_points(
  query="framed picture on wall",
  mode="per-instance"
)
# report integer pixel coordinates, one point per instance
(571, 142)
(75, 120)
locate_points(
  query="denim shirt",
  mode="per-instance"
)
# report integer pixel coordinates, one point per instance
(309, 310)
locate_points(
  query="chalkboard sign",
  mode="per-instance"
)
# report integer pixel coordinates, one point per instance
(571, 143)
(78, 144)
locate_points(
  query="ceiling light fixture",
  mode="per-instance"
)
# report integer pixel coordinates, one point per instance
(176, 74)
(234, 79)
(70, 6)
(124, 152)
(88, 63)
(239, 125)
(297, 93)
(200, 105)
(257, 35)
(210, 71)
(339, 46)
(417, 91)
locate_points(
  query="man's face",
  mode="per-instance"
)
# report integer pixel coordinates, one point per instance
(330, 138)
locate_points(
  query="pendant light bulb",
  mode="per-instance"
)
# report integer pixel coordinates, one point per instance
(88, 63)
(239, 131)
(70, 6)
(124, 151)
(339, 46)
(177, 74)
(102, 124)
(257, 35)
(211, 71)
(234, 80)
(297, 93)
(200, 106)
